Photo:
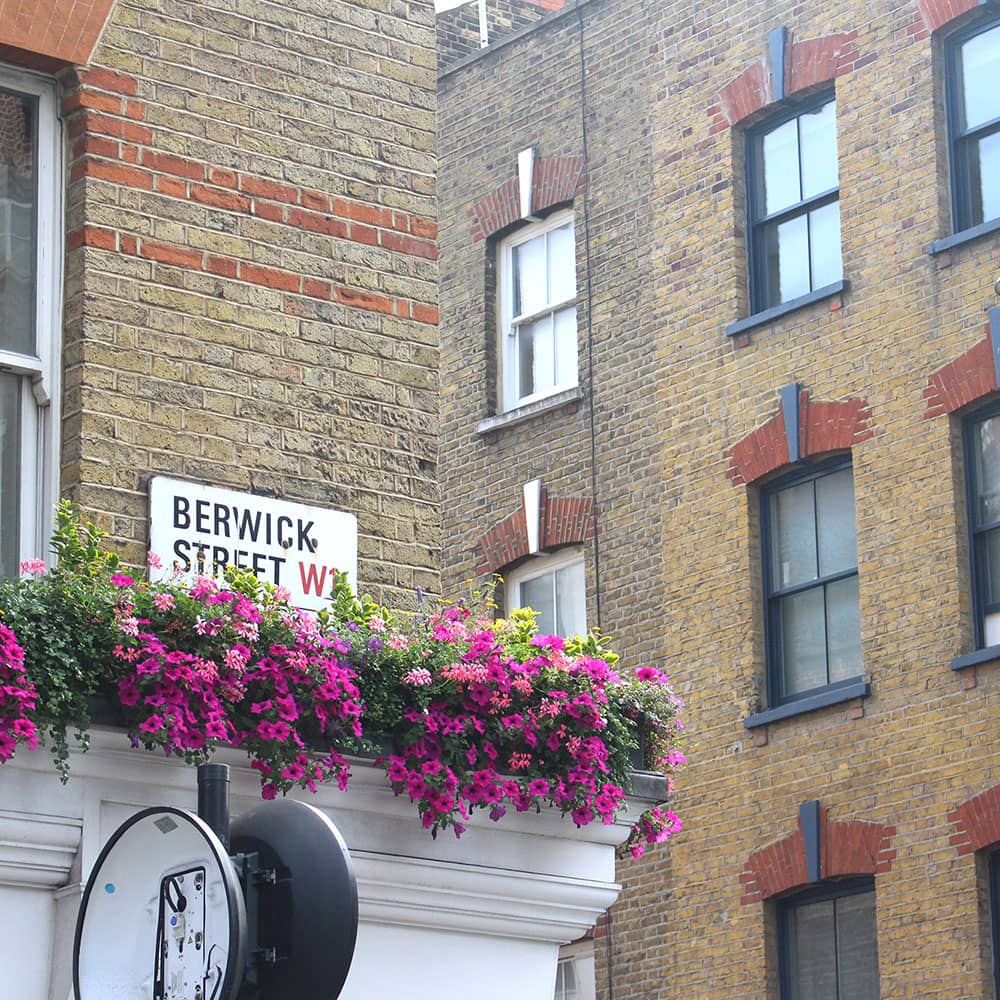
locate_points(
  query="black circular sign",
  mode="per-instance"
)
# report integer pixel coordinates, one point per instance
(308, 912)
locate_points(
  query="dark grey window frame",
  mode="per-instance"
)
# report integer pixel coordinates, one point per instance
(959, 142)
(978, 564)
(757, 223)
(827, 890)
(781, 705)
(993, 879)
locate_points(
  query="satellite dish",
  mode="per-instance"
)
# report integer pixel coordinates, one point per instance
(162, 917)
(307, 904)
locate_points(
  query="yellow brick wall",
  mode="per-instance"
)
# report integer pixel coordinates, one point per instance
(251, 295)
(680, 567)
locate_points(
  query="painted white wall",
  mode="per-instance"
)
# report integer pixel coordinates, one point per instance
(439, 919)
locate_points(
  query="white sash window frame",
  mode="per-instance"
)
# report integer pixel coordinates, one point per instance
(39, 373)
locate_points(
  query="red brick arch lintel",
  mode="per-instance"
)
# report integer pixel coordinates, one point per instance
(564, 521)
(969, 377)
(555, 180)
(853, 847)
(976, 822)
(52, 32)
(823, 427)
(807, 63)
(937, 13)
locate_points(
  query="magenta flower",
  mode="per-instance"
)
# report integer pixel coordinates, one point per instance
(121, 580)
(153, 724)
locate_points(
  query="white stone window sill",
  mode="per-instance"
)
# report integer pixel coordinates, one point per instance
(516, 416)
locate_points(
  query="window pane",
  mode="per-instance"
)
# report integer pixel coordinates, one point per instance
(991, 546)
(571, 601)
(10, 433)
(780, 174)
(565, 981)
(786, 249)
(843, 629)
(979, 62)
(528, 260)
(984, 179)
(857, 947)
(991, 629)
(818, 138)
(17, 222)
(562, 264)
(794, 532)
(536, 360)
(566, 369)
(803, 641)
(538, 594)
(987, 459)
(824, 245)
(838, 550)
(814, 963)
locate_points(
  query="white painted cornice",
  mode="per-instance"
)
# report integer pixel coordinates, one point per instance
(37, 850)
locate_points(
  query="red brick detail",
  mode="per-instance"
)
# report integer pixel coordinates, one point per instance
(105, 79)
(92, 236)
(220, 199)
(261, 188)
(409, 245)
(962, 381)
(564, 521)
(759, 453)
(269, 277)
(749, 92)
(567, 521)
(977, 822)
(817, 60)
(823, 427)
(554, 181)
(92, 122)
(854, 847)
(63, 30)
(937, 13)
(166, 254)
(851, 848)
(496, 211)
(363, 300)
(108, 144)
(829, 427)
(503, 544)
(811, 61)
(426, 314)
(167, 163)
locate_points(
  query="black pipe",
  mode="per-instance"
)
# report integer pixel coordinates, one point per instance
(213, 799)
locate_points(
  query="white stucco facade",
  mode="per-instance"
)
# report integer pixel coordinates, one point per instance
(438, 918)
